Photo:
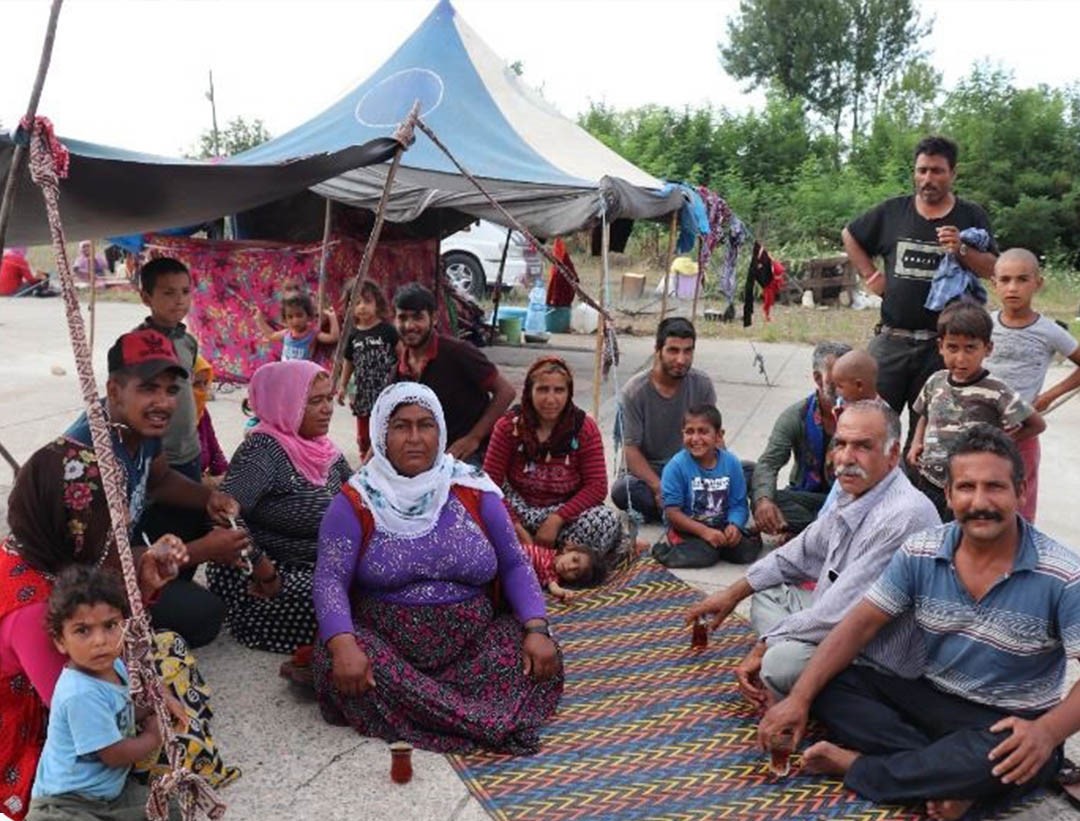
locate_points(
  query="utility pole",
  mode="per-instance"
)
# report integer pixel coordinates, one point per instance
(213, 116)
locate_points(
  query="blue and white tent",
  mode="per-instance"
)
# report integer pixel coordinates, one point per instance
(545, 169)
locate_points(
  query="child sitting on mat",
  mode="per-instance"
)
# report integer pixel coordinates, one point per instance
(571, 564)
(704, 494)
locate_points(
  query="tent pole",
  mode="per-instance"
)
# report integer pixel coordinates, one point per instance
(92, 268)
(322, 258)
(601, 329)
(405, 138)
(498, 287)
(697, 285)
(672, 234)
(9, 459)
(18, 156)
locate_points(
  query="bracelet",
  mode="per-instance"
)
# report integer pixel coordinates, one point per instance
(872, 277)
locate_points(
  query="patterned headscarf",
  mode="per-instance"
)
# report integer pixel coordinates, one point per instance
(278, 395)
(564, 437)
(202, 395)
(410, 505)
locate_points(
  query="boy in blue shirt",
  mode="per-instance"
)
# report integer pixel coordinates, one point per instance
(704, 494)
(95, 734)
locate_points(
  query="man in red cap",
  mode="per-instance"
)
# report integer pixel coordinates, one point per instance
(140, 399)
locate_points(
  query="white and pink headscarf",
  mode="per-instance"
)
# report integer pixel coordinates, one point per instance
(278, 394)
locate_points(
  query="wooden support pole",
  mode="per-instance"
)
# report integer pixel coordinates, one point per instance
(601, 335)
(92, 268)
(673, 233)
(322, 258)
(404, 136)
(18, 156)
(697, 285)
(497, 296)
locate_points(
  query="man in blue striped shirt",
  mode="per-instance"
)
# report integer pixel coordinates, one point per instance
(998, 604)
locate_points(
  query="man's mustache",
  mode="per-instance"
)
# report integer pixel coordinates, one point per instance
(853, 470)
(985, 515)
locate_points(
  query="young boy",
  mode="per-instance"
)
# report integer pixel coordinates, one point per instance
(95, 734)
(854, 378)
(961, 395)
(704, 495)
(1025, 343)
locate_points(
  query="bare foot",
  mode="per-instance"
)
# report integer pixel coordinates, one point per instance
(827, 759)
(947, 809)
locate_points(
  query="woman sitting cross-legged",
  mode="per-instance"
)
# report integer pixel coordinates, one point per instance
(548, 457)
(411, 647)
(283, 475)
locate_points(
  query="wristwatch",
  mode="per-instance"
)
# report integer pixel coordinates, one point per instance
(543, 629)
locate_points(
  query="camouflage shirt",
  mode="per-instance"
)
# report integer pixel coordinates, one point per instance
(950, 407)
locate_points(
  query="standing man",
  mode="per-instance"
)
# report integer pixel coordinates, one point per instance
(998, 604)
(911, 234)
(653, 406)
(471, 390)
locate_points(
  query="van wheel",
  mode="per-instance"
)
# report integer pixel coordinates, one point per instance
(466, 272)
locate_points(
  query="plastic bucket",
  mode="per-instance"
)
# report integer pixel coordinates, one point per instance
(685, 285)
(558, 320)
(510, 327)
(511, 312)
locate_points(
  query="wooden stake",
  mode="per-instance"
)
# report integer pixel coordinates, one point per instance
(605, 243)
(497, 296)
(697, 286)
(322, 258)
(18, 156)
(92, 268)
(672, 234)
(404, 136)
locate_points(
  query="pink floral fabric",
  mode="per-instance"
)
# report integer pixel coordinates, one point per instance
(230, 277)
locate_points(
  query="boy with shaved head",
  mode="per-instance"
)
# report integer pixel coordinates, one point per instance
(1025, 343)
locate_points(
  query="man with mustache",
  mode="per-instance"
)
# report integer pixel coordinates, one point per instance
(911, 234)
(998, 605)
(843, 552)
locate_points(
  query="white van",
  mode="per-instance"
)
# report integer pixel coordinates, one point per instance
(472, 255)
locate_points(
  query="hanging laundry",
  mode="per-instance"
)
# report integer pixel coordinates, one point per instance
(560, 293)
(766, 273)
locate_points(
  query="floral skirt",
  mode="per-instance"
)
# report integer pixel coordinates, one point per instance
(448, 678)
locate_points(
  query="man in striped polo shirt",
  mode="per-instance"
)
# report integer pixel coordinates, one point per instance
(998, 604)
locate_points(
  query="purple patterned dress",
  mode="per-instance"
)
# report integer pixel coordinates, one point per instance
(448, 671)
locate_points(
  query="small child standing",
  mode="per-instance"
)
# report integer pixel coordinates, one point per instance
(962, 394)
(301, 332)
(1025, 343)
(371, 354)
(212, 461)
(854, 379)
(571, 564)
(95, 734)
(704, 493)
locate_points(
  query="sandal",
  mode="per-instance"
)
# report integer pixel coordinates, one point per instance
(1068, 781)
(298, 669)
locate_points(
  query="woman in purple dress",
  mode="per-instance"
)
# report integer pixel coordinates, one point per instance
(410, 647)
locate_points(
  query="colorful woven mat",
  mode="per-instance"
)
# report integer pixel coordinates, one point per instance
(648, 728)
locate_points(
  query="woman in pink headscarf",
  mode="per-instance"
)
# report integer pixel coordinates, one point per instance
(284, 475)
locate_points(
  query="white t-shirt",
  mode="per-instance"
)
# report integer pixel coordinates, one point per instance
(1022, 356)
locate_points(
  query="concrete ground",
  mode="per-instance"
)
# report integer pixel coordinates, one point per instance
(295, 765)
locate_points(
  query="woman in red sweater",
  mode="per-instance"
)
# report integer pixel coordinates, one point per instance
(548, 457)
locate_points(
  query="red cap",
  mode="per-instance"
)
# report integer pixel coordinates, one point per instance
(145, 353)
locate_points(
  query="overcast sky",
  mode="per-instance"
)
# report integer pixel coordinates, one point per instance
(133, 73)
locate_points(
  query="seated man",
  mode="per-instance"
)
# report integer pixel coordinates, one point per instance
(843, 551)
(17, 278)
(804, 429)
(653, 406)
(998, 604)
(472, 391)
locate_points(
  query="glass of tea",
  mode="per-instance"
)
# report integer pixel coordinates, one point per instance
(781, 746)
(699, 638)
(401, 762)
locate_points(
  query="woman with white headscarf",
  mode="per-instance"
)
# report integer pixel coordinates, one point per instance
(410, 647)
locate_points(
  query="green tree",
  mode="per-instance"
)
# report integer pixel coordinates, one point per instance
(238, 135)
(837, 55)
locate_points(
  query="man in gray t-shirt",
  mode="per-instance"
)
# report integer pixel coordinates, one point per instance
(653, 405)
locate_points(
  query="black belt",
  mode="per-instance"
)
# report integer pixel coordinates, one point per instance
(905, 333)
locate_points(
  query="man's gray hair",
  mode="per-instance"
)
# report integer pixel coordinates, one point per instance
(824, 350)
(892, 420)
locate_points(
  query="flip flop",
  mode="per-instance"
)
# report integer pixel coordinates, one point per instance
(1068, 779)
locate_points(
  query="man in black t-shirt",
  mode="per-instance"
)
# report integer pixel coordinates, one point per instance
(912, 234)
(472, 392)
